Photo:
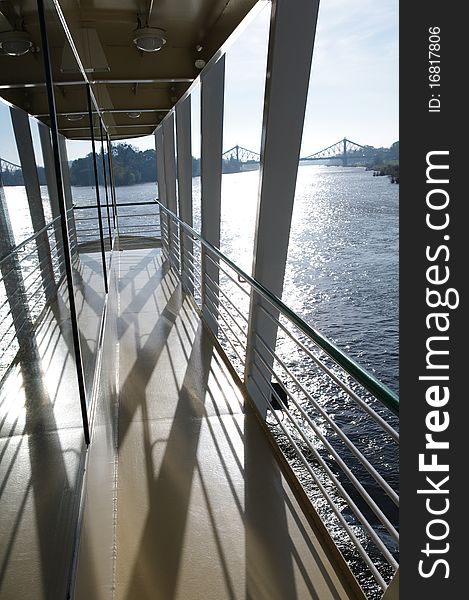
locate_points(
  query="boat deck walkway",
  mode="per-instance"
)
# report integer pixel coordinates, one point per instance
(203, 509)
(184, 497)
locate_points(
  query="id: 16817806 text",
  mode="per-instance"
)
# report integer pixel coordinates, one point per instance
(434, 68)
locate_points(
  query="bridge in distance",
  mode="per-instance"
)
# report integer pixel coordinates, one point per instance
(241, 159)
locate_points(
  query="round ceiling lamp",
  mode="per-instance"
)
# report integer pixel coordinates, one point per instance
(15, 43)
(149, 39)
(134, 115)
(75, 116)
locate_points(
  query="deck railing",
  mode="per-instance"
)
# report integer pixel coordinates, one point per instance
(334, 422)
(133, 219)
(30, 274)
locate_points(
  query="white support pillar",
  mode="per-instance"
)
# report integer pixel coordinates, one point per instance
(170, 185)
(24, 144)
(47, 155)
(72, 230)
(211, 100)
(12, 275)
(184, 174)
(291, 41)
(161, 186)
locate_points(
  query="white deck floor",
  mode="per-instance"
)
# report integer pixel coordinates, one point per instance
(203, 511)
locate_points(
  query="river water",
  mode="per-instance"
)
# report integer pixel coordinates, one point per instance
(342, 266)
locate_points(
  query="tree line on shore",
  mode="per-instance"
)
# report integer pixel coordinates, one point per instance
(132, 166)
(386, 162)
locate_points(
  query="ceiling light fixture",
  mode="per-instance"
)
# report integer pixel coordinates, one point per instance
(134, 115)
(15, 43)
(149, 39)
(75, 116)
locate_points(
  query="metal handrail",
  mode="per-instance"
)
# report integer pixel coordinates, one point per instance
(351, 476)
(28, 240)
(24, 257)
(344, 438)
(231, 304)
(138, 226)
(152, 202)
(33, 278)
(233, 347)
(379, 390)
(373, 414)
(18, 303)
(301, 429)
(338, 513)
(38, 289)
(229, 276)
(87, 227)
(332, 477)
(31, 238)
(136, 216)
(338, 431)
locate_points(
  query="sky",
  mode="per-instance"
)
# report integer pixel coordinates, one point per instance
(353, 89)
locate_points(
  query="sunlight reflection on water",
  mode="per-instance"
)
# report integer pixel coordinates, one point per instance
(342, 266)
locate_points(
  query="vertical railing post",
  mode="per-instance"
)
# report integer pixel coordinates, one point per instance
(24, 144)
(96, 179)
(160, 173)
(211, 100)
(113, 184)
(63, 219)
(47, 155)
(170, 185)
(67, 185)
(184, 175)
(12, 276)
(105, 183)
(291, 41)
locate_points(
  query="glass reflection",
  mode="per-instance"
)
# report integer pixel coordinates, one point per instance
(76, 122)
(245, 69)
(41, 431)
(195, 140)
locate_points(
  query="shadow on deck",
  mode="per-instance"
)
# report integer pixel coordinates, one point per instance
(184, 498)
(204, 511)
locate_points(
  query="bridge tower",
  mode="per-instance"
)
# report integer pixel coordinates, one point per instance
(344, 155)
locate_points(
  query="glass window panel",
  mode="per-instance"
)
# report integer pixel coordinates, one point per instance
(342, 267)
(40, 416)
(12, 180)
(196, 143)
(41, 172)
(245, 69)
(134, 162)
(78, 164)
